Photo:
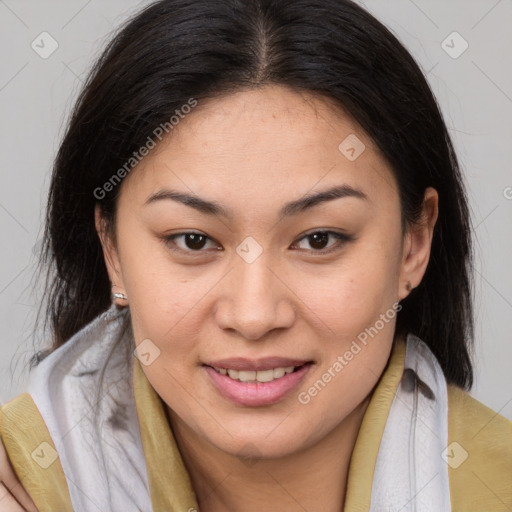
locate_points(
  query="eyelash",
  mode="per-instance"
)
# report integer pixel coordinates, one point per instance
(340, 237)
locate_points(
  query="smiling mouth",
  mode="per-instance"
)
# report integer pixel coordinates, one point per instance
(258, 376)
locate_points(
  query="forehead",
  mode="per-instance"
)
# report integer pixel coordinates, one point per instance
(270, 143)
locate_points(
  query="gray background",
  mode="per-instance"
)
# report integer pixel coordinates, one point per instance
(474, 91)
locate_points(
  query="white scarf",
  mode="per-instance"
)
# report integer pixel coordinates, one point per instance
(103, 459)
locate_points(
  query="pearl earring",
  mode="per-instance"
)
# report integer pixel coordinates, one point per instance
(117, 295)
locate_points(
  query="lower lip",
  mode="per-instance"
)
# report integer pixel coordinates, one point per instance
(255, 394)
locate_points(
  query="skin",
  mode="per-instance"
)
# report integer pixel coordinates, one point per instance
(252, 152)
(13, 496)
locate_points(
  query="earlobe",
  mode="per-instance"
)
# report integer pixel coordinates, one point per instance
(118, 297)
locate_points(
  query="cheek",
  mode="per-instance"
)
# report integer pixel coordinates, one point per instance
(349, 296)
(161, 296)
(154, 283)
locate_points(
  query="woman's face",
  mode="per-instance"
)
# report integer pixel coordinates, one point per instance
(253, 282)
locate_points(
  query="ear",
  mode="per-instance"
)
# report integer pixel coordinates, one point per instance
(110, 252)
(417, 245)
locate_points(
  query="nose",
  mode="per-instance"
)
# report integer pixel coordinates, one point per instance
(255, 300)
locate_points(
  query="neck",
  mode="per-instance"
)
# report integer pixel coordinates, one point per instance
(312, 479)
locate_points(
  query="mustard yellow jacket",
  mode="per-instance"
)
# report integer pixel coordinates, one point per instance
(483, 483)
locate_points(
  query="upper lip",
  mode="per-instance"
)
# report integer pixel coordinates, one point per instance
(266, 363)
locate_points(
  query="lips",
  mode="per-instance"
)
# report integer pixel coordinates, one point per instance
(249, 383)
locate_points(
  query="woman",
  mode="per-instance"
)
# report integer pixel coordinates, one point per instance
(260, 201)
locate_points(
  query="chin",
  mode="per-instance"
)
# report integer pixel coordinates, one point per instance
(269, 443)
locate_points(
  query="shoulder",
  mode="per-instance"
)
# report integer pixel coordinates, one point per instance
(480, 426)
(479, 454)
(32, 454)
(57, 417)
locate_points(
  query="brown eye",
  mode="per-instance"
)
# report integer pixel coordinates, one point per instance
(188, 242)
(318, 241)
(195, 241)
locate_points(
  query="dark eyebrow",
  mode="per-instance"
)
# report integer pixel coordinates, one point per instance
(292, 208)
(310, 200)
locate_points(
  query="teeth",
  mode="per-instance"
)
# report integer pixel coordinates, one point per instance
(256, 376)
(279, 372)
(246, 376)
(264, 376)
(233, 374)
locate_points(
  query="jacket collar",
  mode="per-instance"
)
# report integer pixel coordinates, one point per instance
(166, 468)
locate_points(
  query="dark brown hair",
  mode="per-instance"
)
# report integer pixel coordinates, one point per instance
(177, 49)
